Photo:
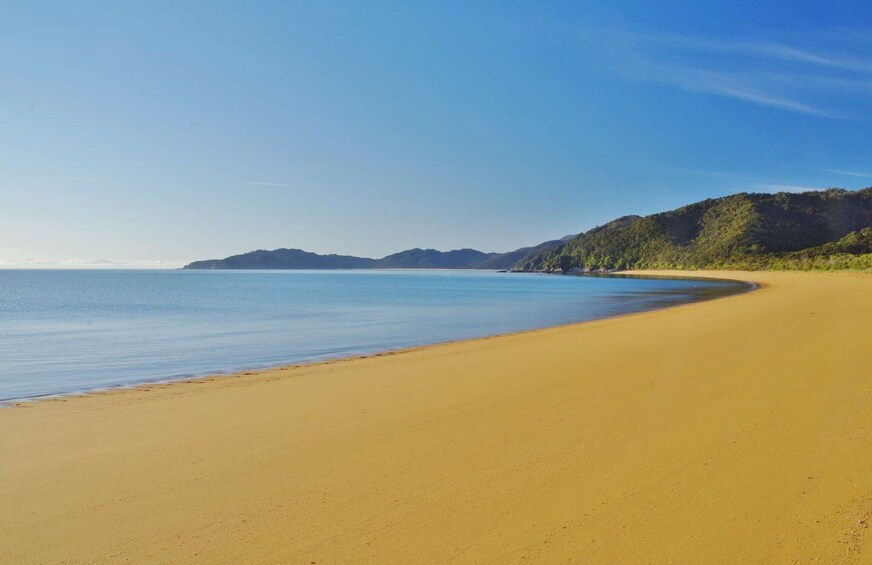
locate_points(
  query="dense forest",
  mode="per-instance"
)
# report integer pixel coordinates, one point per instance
(810, 230)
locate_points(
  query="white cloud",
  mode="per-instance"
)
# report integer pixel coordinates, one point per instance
(79, 179)
(755, 182)
(278, 184)
(732, 85)
(851, 173)
(710, 173)
(778, 75)
(766, 50)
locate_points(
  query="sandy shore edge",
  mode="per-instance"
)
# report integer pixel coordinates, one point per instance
(724, 431)
(255, 372)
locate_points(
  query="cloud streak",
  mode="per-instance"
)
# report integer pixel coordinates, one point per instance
(851, 173)
(756, 49)
(276, 184)
(732, 86)
(766, 73)
(80, 179)
(89, 264)
(756, 182)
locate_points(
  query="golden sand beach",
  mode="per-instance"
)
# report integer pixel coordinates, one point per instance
(732, 431)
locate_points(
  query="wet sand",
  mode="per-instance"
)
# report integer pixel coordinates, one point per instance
(735, 430)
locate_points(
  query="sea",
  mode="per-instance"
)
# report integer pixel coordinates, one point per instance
(74, 331)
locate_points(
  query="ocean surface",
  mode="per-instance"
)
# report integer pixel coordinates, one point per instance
(73, 331)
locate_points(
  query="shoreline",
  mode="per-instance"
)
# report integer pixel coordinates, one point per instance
(720, 431)
(248, 371)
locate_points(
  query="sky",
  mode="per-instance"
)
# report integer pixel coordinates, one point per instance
(151, 134)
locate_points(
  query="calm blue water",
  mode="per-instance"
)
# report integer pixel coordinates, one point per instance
(71, 331)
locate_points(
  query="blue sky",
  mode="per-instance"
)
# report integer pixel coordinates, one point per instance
(158, 133)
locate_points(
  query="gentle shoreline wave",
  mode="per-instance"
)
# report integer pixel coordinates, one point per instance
(627, 301)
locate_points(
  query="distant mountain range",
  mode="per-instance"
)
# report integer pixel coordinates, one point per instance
(409, 259)
(821, 229)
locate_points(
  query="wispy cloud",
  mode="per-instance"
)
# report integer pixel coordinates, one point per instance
(757, 49)
(778, 75)
(79, 179)
(89, 264)
(277, 184)
(753, 182)
(788, 53)
(851, 173)
(735, 86)
(709, 173)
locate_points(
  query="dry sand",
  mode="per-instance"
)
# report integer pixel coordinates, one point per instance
(734, 431)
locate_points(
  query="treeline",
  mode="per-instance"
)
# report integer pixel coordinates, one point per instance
(829, 229)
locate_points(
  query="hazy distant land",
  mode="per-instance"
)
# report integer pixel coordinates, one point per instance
(829, 229)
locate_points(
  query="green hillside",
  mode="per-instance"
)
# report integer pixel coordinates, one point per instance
(823, 229)
(505, 261)
(433, 259)
(829, 229)
(284, 259)
(299, 259)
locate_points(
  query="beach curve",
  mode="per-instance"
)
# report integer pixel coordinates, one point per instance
(733, 430)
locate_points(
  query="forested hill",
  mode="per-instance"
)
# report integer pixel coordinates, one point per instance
(821, 229)
(284, 259)
(433, 259)
(409, 259)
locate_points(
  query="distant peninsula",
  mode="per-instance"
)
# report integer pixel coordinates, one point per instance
(409, 259)
(828, 229)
